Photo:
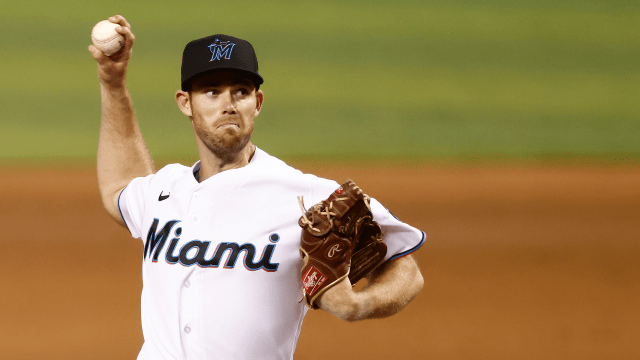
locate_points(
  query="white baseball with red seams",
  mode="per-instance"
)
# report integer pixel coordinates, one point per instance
(221, 260)
(105, 37)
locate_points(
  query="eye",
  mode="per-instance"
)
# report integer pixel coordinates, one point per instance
(242, 91)
(213, 92)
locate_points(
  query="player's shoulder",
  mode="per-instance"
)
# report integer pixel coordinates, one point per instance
(167, 175)
(320, 185)
(275, 166)
(293, 177)
(172, 171)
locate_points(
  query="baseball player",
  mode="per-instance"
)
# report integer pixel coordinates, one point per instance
(221, 259)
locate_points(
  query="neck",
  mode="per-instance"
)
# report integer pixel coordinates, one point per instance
(211, 164)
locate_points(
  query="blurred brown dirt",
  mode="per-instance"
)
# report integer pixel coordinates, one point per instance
(521, 262)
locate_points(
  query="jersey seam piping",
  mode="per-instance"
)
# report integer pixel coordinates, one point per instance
(405, 253)
(120, 210)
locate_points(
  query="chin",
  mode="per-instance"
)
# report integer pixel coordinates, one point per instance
(228, 145)
(233, 145)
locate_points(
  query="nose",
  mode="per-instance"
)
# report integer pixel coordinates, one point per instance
(228, 106)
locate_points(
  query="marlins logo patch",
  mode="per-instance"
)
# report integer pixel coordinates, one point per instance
(221, 49)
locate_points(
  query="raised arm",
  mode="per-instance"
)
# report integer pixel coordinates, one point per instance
(122, 152)
(391, 287)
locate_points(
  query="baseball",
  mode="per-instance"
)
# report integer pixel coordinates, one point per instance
(106, 38)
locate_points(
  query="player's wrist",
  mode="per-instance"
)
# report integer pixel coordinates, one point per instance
(113, 74)
(115, 88)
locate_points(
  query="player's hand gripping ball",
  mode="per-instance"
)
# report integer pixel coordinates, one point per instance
(339, 239)
(105, 37)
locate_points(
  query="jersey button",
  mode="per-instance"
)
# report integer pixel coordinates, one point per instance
(196, 195)
(187, 329)
(187, 283)
(195, 217)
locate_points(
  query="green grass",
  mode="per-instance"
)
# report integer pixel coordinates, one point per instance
(374, 79)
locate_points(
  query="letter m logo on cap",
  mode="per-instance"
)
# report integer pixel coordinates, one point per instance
(221, 49)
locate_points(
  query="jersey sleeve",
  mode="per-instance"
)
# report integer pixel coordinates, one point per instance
(401, 239)
(131, 204)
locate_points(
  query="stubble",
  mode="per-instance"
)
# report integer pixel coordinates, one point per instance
(225, 144)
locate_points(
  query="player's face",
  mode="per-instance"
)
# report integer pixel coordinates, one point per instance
(223, 107)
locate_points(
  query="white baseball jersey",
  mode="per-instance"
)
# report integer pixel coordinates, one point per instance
(221, 262)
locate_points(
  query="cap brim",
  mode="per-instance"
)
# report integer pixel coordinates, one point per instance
(255, 78)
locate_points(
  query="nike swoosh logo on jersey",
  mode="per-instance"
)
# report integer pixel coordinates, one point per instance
(163, 197)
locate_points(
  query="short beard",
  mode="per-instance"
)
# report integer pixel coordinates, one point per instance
(226, 147)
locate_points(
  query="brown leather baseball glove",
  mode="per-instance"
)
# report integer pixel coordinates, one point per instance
(339, 239)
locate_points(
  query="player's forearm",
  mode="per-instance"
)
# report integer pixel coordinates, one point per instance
(391, 287)
(122, 153)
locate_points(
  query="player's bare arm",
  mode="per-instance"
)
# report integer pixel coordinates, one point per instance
(122, 152)
(391, 287)
(234, 195)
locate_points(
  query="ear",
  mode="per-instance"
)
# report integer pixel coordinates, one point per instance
(184, 102)
(259, 101)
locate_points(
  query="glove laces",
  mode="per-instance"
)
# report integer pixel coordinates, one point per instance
(326, 211)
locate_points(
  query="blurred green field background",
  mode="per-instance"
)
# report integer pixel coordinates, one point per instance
(370, 79)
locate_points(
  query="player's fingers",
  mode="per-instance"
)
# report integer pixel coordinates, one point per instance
(129, 38)
(119, 19)
(98, 55)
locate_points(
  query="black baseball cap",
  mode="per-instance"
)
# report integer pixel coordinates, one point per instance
(219, 52)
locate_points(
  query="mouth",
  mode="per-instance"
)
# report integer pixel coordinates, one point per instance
(227, 125)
